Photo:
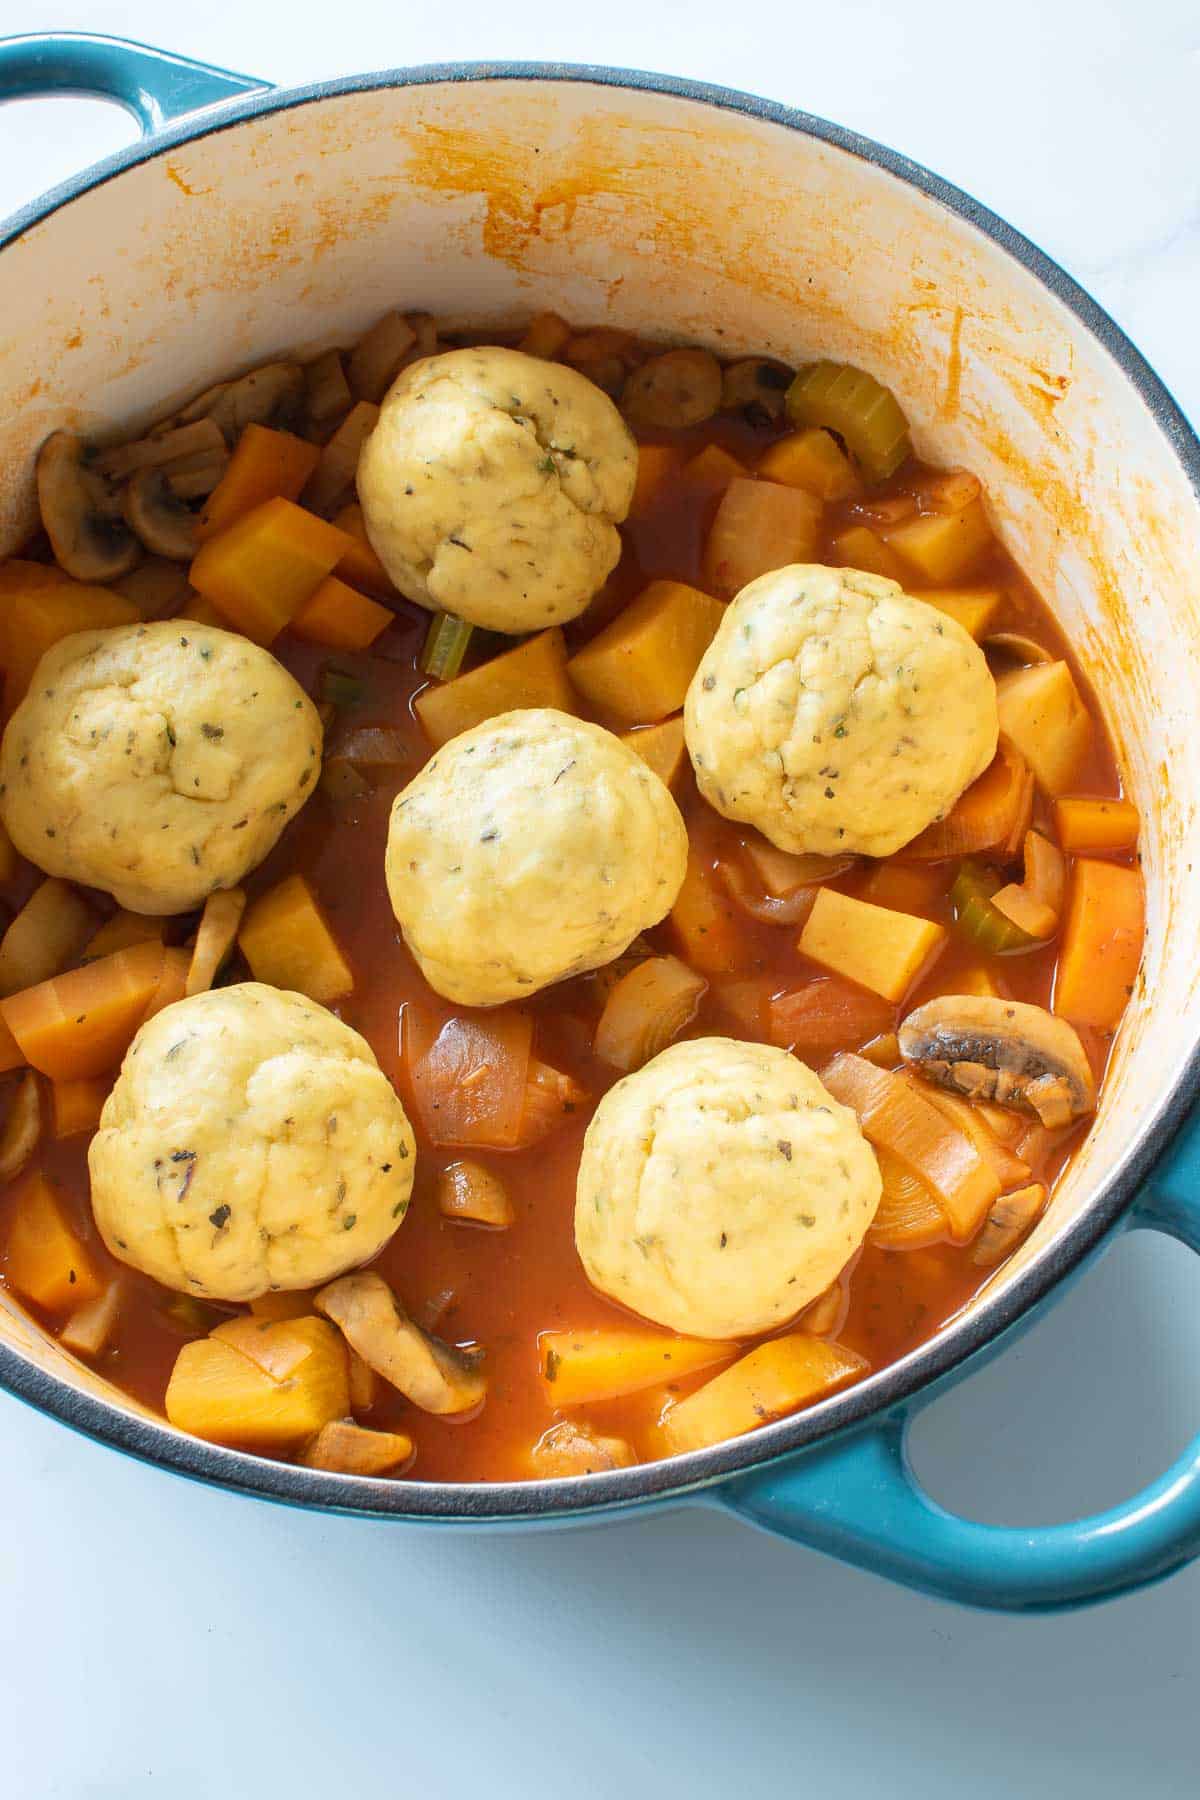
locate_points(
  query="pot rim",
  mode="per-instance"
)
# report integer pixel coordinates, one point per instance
(111, 1423)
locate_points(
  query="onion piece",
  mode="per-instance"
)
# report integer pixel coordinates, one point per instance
(781, 873)
(828, 1014)
(646, 1009)
(22, 1127)
(908, 1216)
(1022, 649)
(992, 814)
(468, 1079)
(896, 1117)
(771, 911)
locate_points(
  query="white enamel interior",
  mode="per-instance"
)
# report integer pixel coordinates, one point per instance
(489, 200)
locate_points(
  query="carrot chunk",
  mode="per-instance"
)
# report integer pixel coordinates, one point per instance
(36, 613)
(76, 1106)
(704, 923)
(265, 465)
(259, 572)
(760, 525)
(46, 1259)
(580, 1367)
(1101, 943)
(288, 944)
(658, 464)
(661, 747)
(858, 547)
(534, 674)
(268, 1391)
(81, 1023)
(359, 565)
(342, 618)
(812, 459)
(777, 1378)
(638, 668)
(1086, 827)
(711, 470)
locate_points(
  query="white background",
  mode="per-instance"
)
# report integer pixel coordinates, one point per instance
(157, 1638)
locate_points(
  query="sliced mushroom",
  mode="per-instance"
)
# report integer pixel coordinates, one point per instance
(570, 1449)
(467, 1191)
(185, 441)
(350, 1449)
(676, 389)
(1004, 1051)
(435, 1376)
(272, 395)
(81, 514)
(756, 387)
(165, 525)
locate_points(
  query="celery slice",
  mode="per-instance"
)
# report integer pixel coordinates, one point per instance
(445, 646)
(984, 924)
(864, 414)
(340, 687)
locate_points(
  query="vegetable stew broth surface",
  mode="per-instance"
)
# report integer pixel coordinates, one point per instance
(500, 1289)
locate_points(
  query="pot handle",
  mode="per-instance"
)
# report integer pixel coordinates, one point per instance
(153, 85)
(860, 1499)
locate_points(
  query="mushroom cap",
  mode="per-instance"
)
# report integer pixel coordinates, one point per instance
(492, 485)
(438, 1377)
(535, 847)
(251, 1142)
(81, 514)
(1006, 1051)
(158, 762)
(836, 713)
(721, 1189)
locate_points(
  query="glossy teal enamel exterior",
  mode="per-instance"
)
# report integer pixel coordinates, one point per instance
(152, 85)
(854, 1497)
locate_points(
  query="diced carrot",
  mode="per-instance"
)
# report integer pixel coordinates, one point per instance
(468, 1080)
(1086, 827)
(45, 1258)
(658, 464)
(904, 887)
(550, 1097)
(36, 613)
(1101, 943)
(46, 937)
(858, 547)
(342, 618)
(1041, 711)
(943, 547)
(581, 1367)
(972, 608)
(121, 932)
(638, 668)
(826, 1015)
(881, 950)
(760, 525)
(172, 983)
(711, 470)
(219, 1391)
(359, 565)
(11, 1054)
(993, 813)
(202, 612)
(265, 465)
(288, 944)
(18, 575)
(980, 981)
(896, 1117)
(81, 1023)
(76, 1105)
(534, 674)
(661, 747)
(779, 1377)
(814, 460)
(646, 1009)
(350, 1449)
(215, 937)
(704, 923)
(260, 571)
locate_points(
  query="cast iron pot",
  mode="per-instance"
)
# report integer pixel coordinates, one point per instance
(250, 221)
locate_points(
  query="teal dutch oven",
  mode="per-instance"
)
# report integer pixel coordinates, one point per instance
(251, 220)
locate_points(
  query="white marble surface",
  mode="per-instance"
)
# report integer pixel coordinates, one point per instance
(159, 1638)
